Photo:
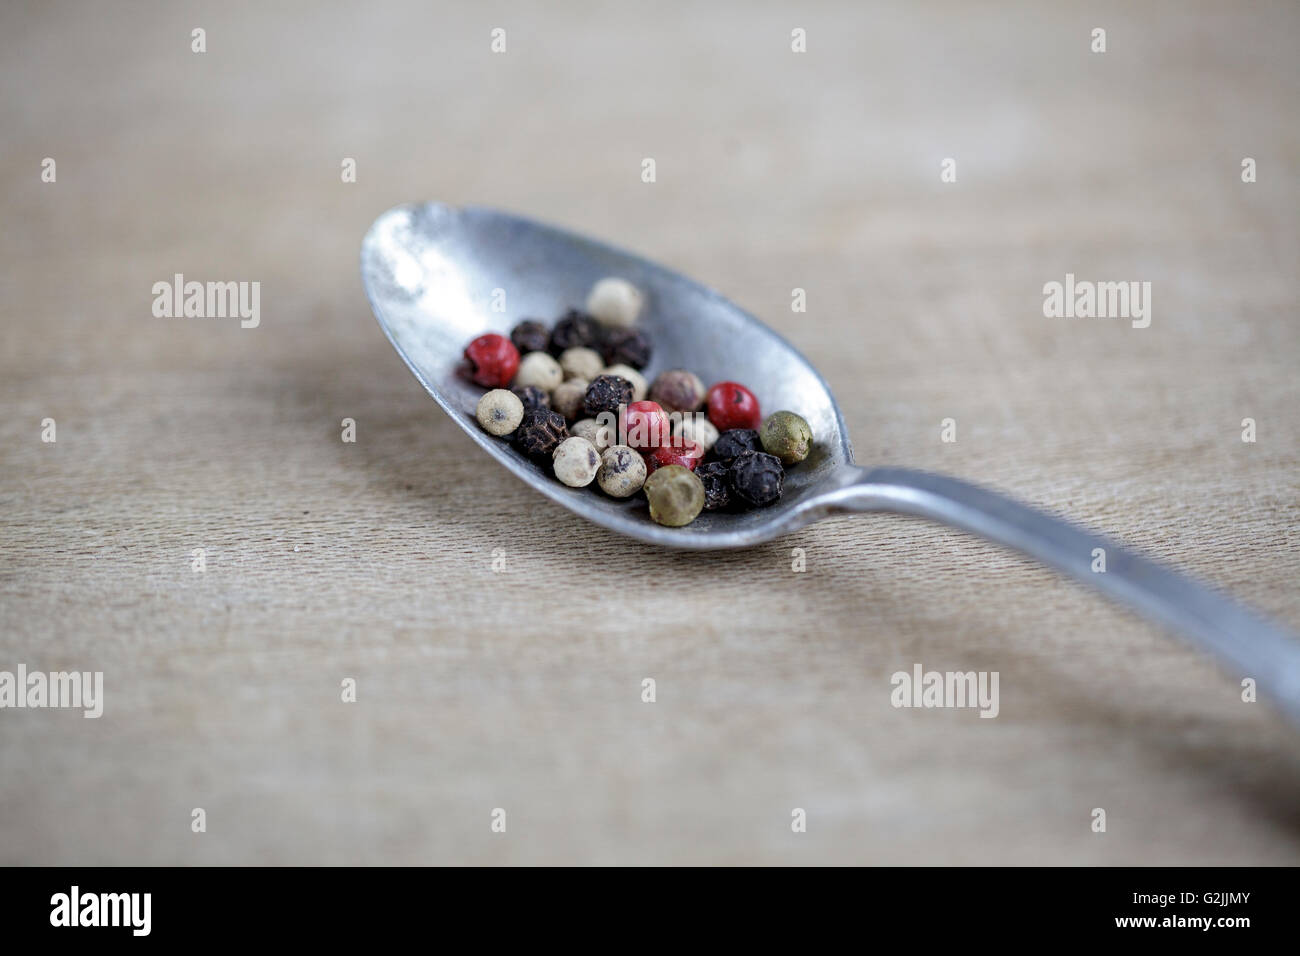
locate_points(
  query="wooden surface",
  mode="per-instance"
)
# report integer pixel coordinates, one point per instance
(522, 689)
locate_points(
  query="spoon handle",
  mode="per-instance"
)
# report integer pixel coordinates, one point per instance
(1246, 644)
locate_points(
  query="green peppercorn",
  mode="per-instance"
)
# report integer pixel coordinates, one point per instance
(787, 436)
(676, 496)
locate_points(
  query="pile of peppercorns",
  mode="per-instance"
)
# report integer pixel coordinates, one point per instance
(569, 394)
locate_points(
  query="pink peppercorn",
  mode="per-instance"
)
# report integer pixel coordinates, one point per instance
(644, 425)
(733, 406)
(687, 454)
(493, 360)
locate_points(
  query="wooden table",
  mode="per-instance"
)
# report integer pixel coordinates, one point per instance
(522, 690)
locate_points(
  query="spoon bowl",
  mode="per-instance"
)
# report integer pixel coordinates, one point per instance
(437, 276)
(433, 272)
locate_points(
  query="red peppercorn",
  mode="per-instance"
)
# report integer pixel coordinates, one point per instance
(687, 454)
(733, 406)
(493, 360)
(644, 425)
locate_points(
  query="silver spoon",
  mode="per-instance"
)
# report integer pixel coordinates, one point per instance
(433, 273)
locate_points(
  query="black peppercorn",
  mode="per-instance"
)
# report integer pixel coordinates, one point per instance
(530, 336)
(717, 485)
(532, 397)
(540, 432)
(756, 477)
(732, 443)
(627, 347)
(575, 330)
(606, 394)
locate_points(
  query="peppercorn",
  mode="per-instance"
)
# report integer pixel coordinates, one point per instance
(581, 363)
(576, 462)
(678, 390)
(756, 477)
(734, 442)
(733, 406)
(717, 485)
(632, 375)
(492, 360)
(643, 425)
(676, 496)
(538, 368)
(606, 393)
(533, 397)
(568, 397)
(540, 432)
(687, 455)
(530, 336)
(602, 436)
(622, 471)
(499, 412)
(574, 330)
(696, 428)
(787, 436)
(627, 347)
(615, 302)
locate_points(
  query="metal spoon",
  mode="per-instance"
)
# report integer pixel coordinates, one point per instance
(433, 274)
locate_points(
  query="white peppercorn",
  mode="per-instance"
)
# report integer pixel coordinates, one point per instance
(576, 462)
(499, 412)
(615, 302)
(639, 385)
(581, 363)
(622, 471)
(568, 396)
(602, 436)
(696, 428)
(538, 368)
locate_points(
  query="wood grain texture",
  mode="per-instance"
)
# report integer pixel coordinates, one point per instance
(521, 689)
